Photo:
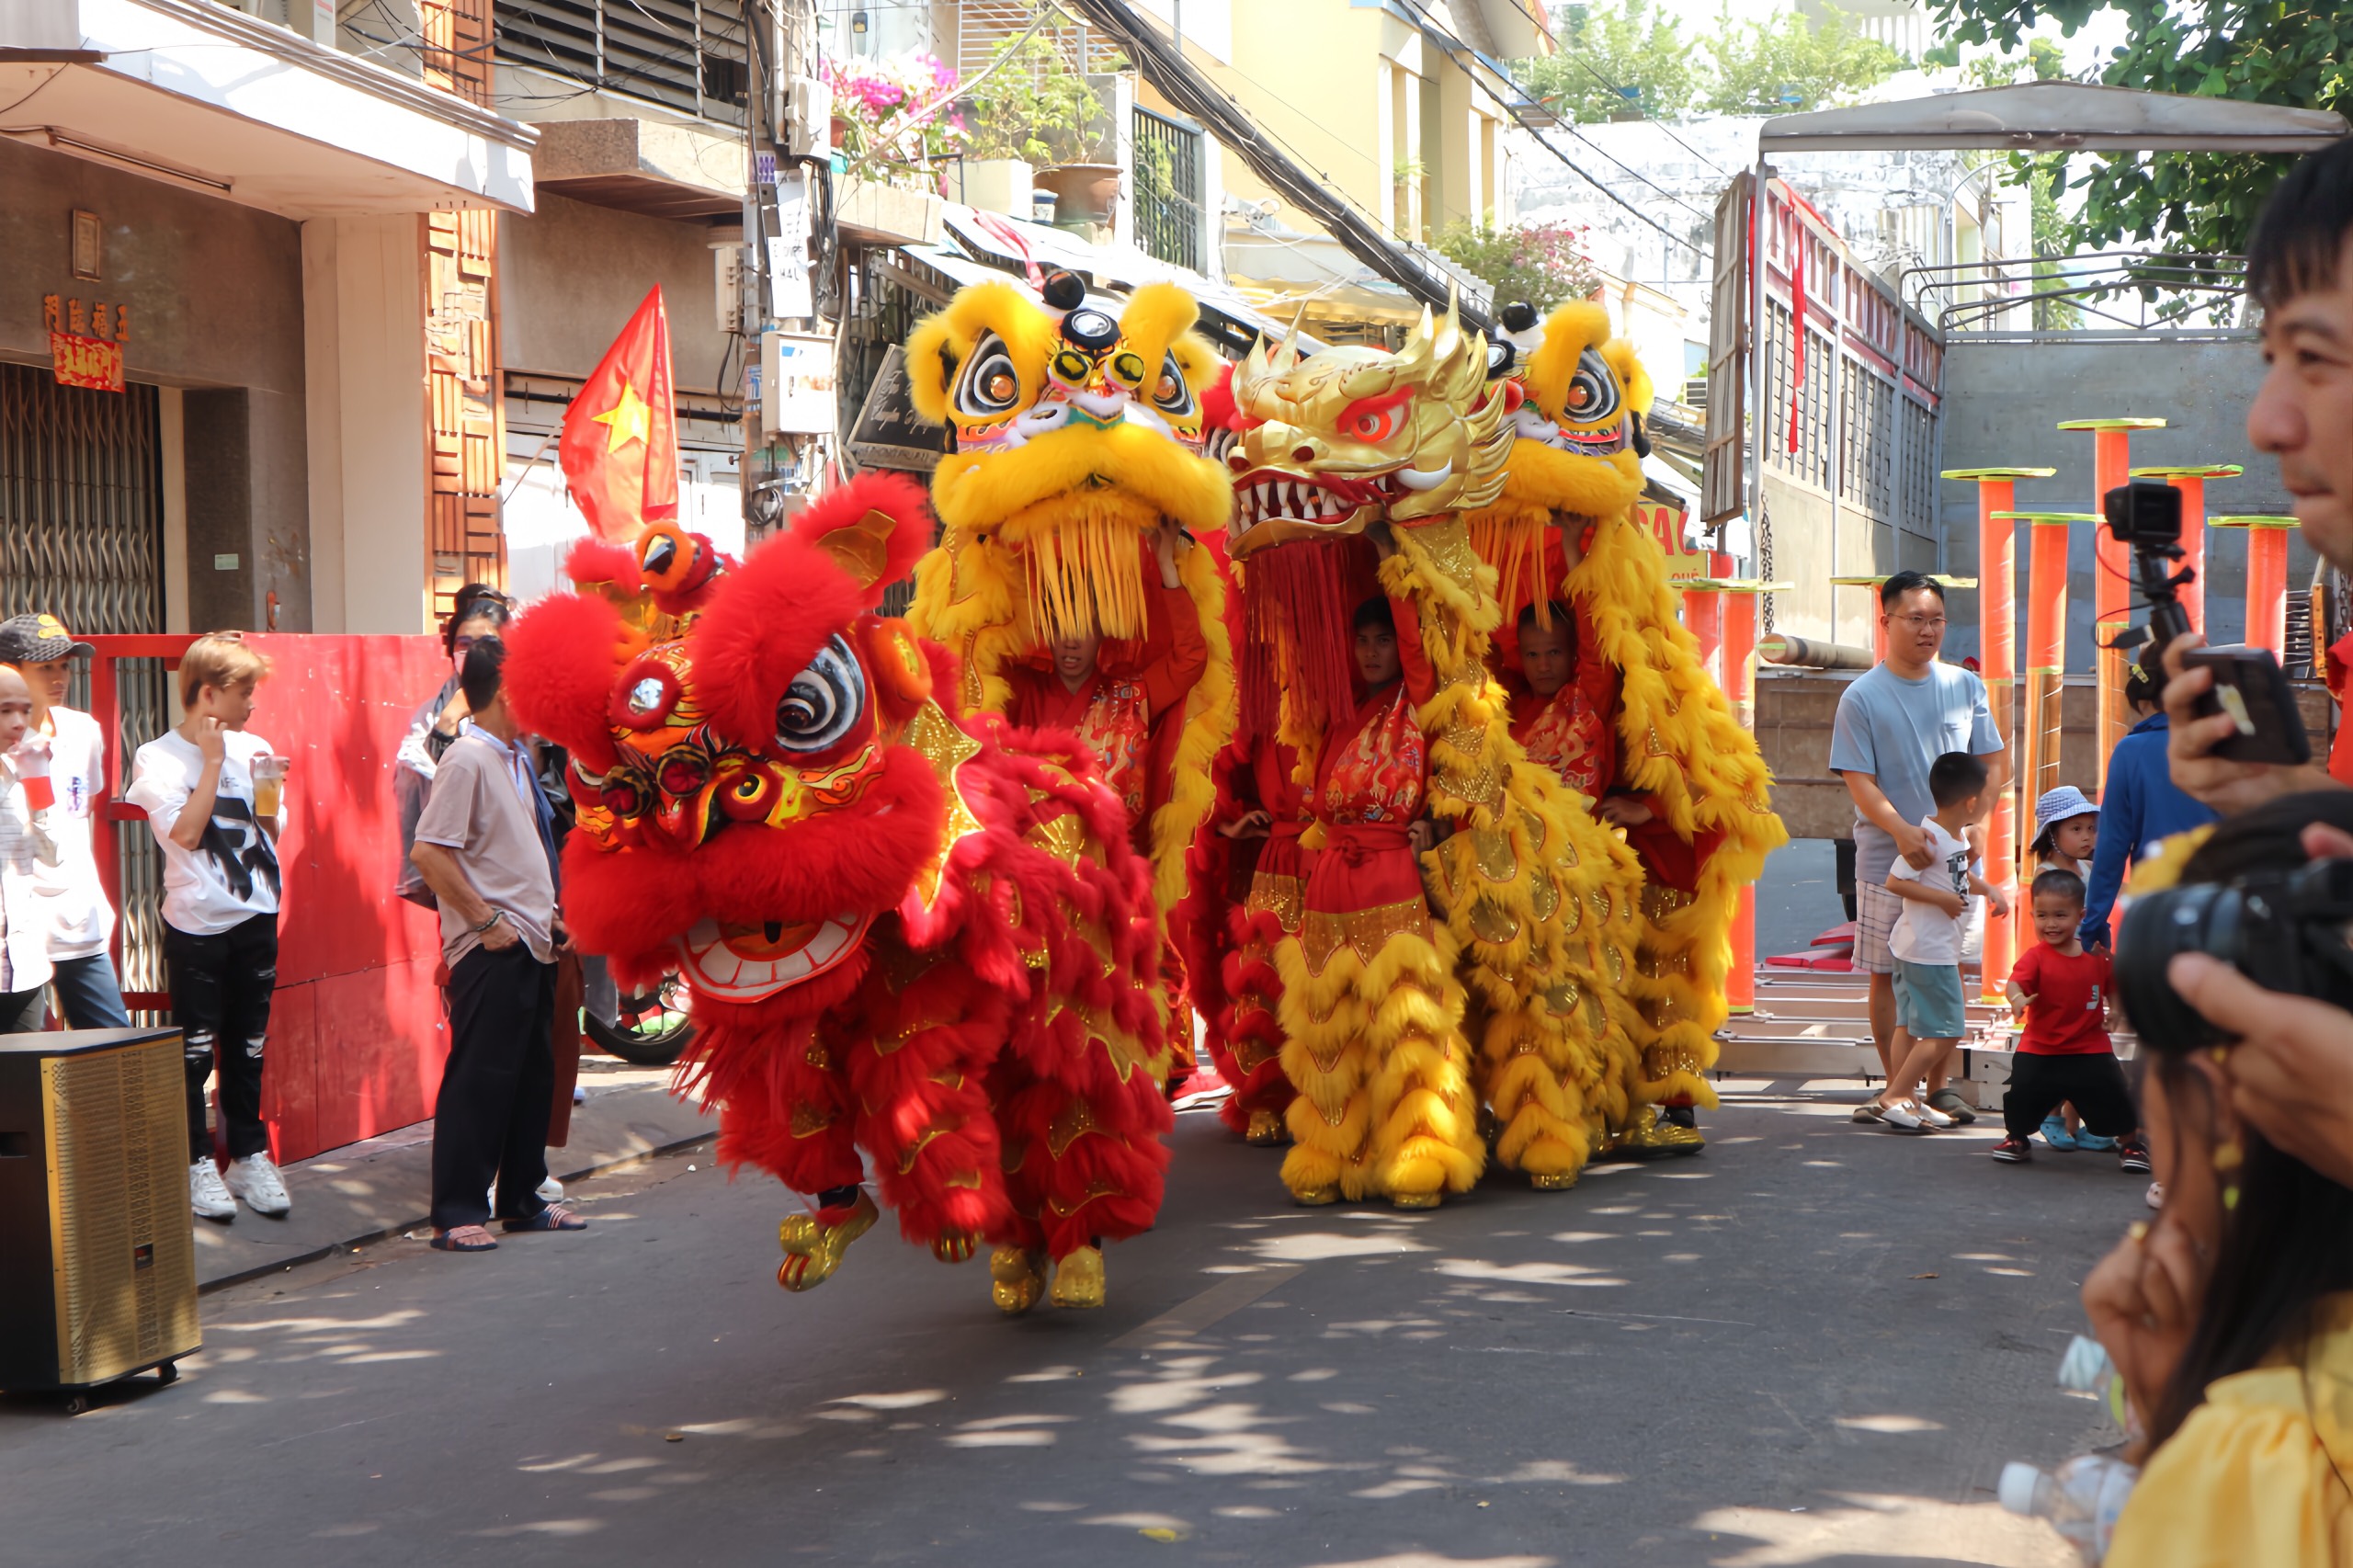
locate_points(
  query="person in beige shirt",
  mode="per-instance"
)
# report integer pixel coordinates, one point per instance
(486, 846)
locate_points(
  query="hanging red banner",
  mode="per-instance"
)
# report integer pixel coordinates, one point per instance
(90, 362)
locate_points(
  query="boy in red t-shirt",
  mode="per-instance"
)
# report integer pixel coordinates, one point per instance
(2062, 992)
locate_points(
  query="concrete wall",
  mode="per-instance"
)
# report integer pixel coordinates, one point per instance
(570, 274)
(2002, 403)
(215, 292)
(1804, 557)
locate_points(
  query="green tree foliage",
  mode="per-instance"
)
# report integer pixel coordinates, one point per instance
(1607, 47)
(1788, 66)
(1540, 263)
(2276, 51)
(1030, 104)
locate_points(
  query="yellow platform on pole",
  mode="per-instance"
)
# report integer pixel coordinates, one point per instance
(1876, 578)
(2053, 516)
(2112, 424)
(2191, 470)
(1733, 585)
(2253, 520)
(1999, 472)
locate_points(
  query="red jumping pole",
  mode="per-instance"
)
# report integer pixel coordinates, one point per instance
(2112, 576)
(2267, 579)
(2191, 483)
(1703, 613)
(1997, 664)
(1739, 683)
(2046, 665)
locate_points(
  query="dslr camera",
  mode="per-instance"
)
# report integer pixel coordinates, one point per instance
(2284, 930)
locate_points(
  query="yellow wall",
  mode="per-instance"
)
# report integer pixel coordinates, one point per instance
(1341, 87)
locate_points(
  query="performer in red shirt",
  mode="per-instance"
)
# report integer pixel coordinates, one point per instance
(1385, 1107)
(1267, 814)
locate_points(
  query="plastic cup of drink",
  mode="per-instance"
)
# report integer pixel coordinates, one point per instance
(40, 793)
(269, 776)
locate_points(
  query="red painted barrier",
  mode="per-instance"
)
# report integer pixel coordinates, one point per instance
(356, 1033)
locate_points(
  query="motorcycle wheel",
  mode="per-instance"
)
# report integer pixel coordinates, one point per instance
(645, 1048)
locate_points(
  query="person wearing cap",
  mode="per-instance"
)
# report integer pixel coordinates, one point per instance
(2139, 805)
(77, 921)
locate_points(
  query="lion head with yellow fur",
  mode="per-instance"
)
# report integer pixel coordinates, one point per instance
(1078, 428)
(1578, 417)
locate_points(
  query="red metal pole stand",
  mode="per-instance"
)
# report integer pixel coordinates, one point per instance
(2267, 578)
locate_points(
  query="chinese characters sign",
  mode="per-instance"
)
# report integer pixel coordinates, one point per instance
(85, 342)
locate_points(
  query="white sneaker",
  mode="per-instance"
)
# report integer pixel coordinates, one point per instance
(206, 1194)
(550, 1191)
(255, 1179)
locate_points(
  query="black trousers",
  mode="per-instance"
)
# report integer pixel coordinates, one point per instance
(491, 1119)
(23, 1012)
(221, 991)
(2095, 1083)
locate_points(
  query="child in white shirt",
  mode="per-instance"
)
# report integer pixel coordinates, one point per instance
(1930, 1014)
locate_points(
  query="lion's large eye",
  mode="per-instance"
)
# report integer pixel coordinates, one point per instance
(990, 385)
(1170, 393)
(1593, 391)
(824, 702)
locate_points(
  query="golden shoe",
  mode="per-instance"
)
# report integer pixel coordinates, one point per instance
(1413, 1200)
(1316, 1197)
(1553, 1181)
(1017, 1279)
(1650, 1136)
(955, 1247)
(812, 1251)
(1078, 1278)
(1267, 1130)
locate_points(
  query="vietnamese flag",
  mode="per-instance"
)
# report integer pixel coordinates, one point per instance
(619, 447)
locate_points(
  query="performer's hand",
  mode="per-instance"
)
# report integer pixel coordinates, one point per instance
(1421, 835)
(1164, 546)
(1249, 825)
(1570, 525)
(1623, 811)
(1385, 543)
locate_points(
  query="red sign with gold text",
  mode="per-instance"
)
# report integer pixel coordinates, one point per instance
(85, 361)
(1665, 524)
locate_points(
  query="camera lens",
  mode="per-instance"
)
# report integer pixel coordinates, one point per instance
(2200, 918)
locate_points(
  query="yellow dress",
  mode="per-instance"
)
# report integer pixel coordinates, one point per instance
(2248, 1481)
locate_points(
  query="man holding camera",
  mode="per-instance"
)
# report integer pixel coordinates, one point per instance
(2292, 1075)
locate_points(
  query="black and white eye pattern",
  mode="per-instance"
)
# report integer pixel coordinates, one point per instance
(1170, 394)
(990, 386)
(1593, 391)
(824, 702)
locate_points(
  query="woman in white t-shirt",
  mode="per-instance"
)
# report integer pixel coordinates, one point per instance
(220, 893)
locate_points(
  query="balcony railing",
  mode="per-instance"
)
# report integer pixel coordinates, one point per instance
(689, 55)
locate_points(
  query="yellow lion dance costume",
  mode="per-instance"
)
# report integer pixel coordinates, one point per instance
(1078, 432)
(1563, 529)
(1533, 900)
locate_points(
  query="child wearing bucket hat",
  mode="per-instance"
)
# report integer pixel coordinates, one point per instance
(2066, 830)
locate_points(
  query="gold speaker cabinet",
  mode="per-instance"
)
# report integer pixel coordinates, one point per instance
(97, 1246)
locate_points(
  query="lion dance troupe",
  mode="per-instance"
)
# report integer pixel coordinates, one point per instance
(1329, 709)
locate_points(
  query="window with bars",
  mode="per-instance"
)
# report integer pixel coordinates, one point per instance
(1168, 189)
(693, 56)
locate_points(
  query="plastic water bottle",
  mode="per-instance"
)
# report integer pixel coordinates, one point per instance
(2082, 1500)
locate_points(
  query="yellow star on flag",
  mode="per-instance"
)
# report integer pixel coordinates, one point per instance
(627, 419)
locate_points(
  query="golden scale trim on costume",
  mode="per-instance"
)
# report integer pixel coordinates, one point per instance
(1362, 931)
(1275, 893)
(947, 747)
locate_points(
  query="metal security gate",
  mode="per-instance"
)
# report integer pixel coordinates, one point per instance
(82, 538)
(1168, 189)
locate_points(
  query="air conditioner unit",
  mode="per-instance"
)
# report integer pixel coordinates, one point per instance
(97, 1246)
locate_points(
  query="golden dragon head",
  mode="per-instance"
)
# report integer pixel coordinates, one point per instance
(1353, 435)
(1078, 428)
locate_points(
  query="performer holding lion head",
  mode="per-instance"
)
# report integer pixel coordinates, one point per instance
(1609, 690)
(1451, 882)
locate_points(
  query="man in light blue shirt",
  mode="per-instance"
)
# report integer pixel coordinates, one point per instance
(1893, 723)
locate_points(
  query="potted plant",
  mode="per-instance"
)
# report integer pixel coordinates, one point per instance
(1029, 111)
(889, 124)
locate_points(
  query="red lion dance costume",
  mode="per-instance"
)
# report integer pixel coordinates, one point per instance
(908, 934)
(1639, 717)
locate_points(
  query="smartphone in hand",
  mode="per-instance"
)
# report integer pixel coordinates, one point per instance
(2253, 689)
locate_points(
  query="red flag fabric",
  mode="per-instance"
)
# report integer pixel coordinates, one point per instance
(619, 447)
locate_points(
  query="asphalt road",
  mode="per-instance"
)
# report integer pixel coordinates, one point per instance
(1814, 1343)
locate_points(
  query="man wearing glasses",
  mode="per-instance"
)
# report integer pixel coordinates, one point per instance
(1895, 722)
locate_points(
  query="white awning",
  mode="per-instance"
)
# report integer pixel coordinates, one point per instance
(2057, 116)
(208, 98)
